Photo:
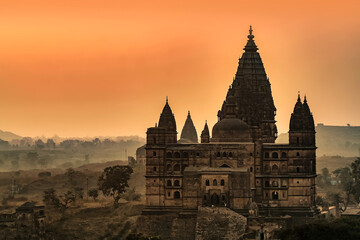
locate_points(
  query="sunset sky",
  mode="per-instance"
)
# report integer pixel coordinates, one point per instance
(90, 68)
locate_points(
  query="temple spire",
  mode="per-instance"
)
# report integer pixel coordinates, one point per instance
(299, 99)
(250, 45)
(188, 132)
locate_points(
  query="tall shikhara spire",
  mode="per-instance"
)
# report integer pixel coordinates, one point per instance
(251, 93)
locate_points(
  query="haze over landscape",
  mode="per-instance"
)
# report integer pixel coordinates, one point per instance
(89, 68)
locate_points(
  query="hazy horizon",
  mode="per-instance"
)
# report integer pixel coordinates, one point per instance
(104, 69)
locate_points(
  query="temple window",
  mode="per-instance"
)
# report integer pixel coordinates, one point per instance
(154, 169)
(275, 168)
(207, 182)
(267, 155)
(230, 155)
(168, 183)
(218, 154)
(177, 167)
(176, 194)
(224, 154)
(177, 155)
(222, 182)
(169, 155)
(214, 182)
(275, 195)
(168, 168)
(177, 183)
(154, 154)
(275, 155)
(283, 155)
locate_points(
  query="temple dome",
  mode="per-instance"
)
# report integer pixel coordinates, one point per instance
(231, 130)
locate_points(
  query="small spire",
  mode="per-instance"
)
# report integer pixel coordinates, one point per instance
(189, 113)
(299, 100)
(305, 98)
(167, 99)
(250, 36)
(205, 121)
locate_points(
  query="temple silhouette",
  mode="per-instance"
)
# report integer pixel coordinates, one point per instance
(239, 166)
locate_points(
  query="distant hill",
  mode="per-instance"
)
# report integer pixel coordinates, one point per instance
(9, 136)
(334, 140)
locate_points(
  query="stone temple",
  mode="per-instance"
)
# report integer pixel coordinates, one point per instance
(238, 166)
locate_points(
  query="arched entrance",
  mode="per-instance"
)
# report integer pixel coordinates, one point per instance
(215, 200)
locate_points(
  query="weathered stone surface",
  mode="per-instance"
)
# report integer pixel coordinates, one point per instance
(219, 223)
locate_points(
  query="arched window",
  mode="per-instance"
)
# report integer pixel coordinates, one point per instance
(297, 169)
(267, 155)
(275, 195)
(224, 154)
(275, 155)
(185, 155)
(177, 155)
(298, 154)
(177, 167)
(207, 182)
(176, 194)
(222, 182)
(168, 168)
(177, 183)
(168, 183)
(214, 182)
(169, 155)
(198, 154)
(297, 140)
(251, 169)
(274, 168)
(283, 155)
(154, 169)
(218, 154)
(230, 154)
(275, 184)
(169, 194)
(154, 154)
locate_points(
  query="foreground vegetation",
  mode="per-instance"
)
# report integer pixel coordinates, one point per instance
(343, 228)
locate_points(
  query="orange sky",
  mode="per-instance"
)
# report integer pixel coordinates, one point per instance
(87, 68)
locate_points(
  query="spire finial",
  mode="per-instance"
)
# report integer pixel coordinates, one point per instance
(205, 121)
(305, 98)
(188, 112)
(250, 36)
(299, 100)
(167, 99)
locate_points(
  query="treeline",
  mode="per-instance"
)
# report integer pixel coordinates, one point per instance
(50, 143)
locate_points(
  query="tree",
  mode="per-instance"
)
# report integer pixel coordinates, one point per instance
(79, 193)
(60, 202)
(341, 201)
(50, 143)
(93, 193)
(114, 181)
(355, 168)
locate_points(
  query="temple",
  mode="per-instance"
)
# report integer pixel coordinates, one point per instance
(239, 166)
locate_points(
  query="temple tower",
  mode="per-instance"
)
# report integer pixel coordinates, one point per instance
(188, 132)
(250, 92)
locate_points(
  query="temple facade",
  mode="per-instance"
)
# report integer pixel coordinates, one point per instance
(238, 165)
